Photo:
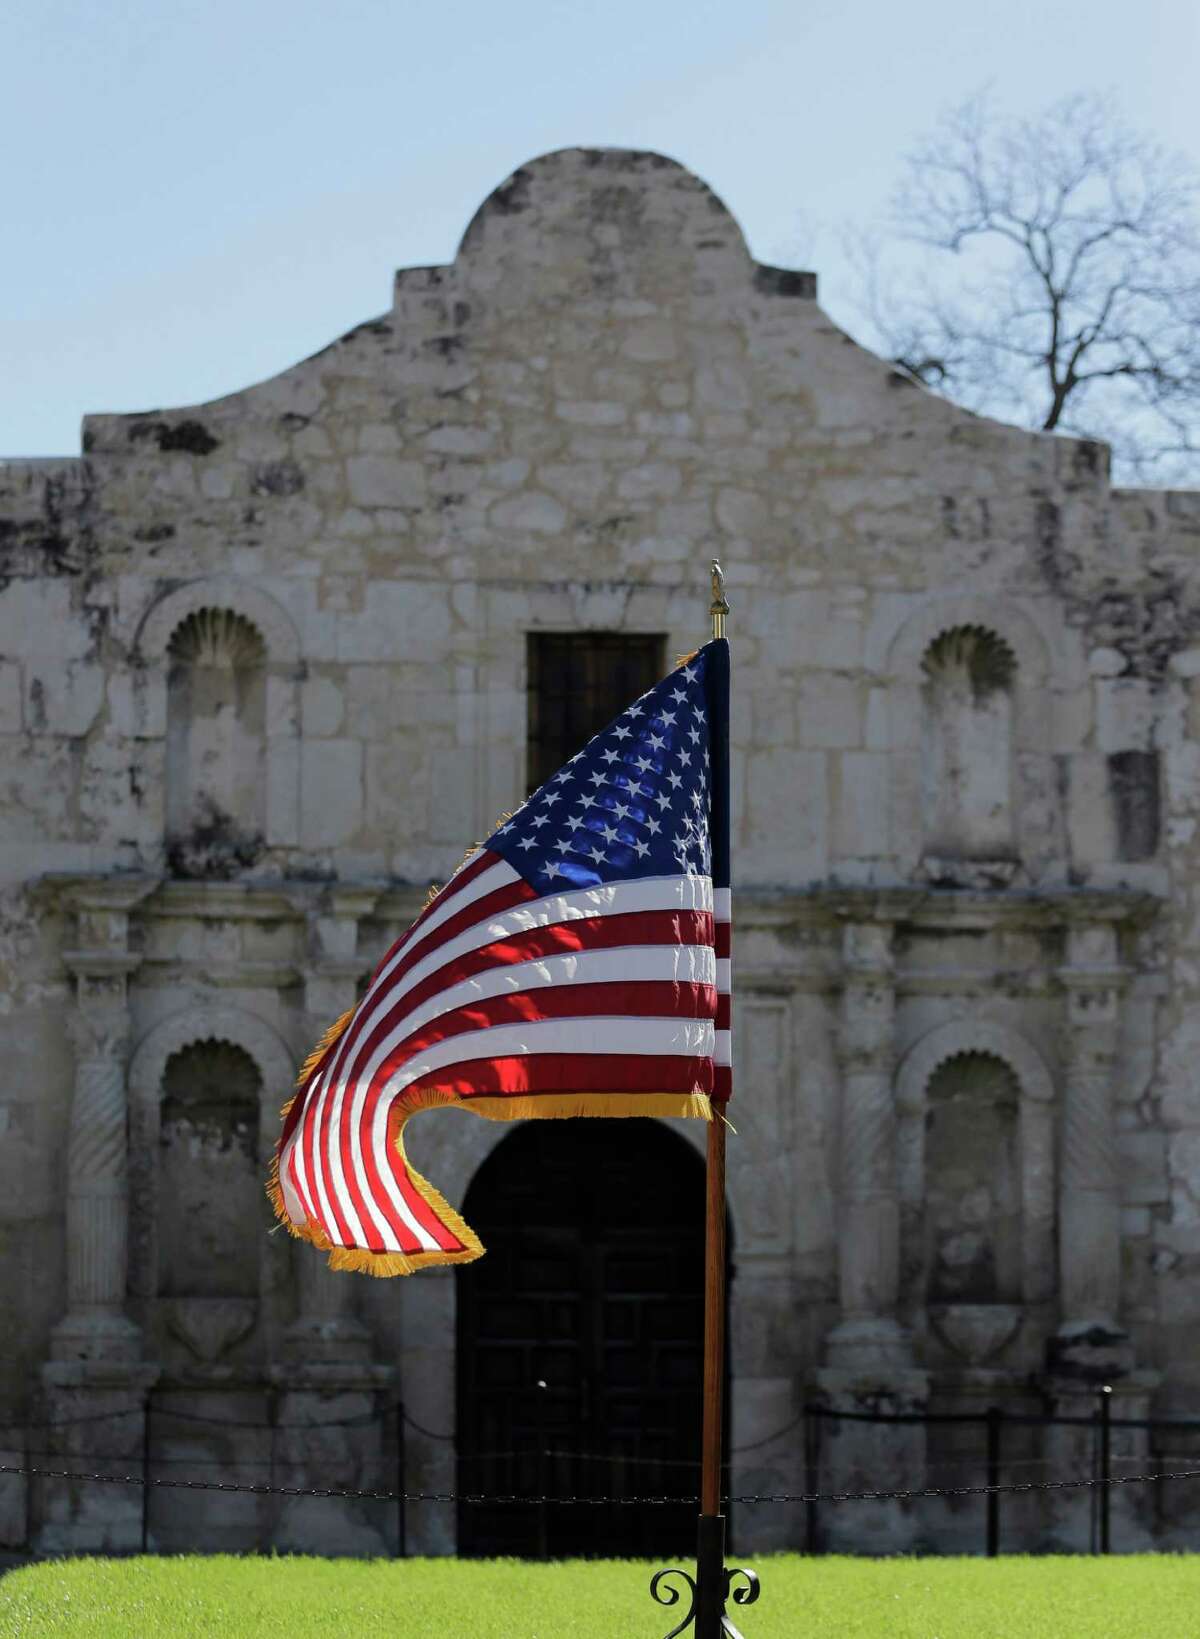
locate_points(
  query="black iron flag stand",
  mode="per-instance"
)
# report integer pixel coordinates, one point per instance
(713, 1583)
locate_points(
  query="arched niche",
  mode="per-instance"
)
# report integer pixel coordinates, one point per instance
(966, 678)
(987, 1085)
(216, 744)
(968, 684)
(209, 1179)
(205, 1087)
(217, 673)
(972, 1205)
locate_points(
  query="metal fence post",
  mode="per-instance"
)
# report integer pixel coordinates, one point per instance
(146, 1471)
(994, 1415)
(812, 1477)
(1106, 1469)
(401, 1465)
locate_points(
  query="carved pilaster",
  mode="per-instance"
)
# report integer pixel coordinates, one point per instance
(868, 1336)
(1089, 1188)
(95, 1327)
(326, 1328)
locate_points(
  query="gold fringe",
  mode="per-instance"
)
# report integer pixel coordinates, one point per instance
(560, 1106)
(335, 1033)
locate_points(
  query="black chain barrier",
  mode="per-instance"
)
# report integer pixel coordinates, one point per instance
(470, 1497)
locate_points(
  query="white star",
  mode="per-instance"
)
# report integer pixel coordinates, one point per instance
(552, 868)
(663, 802)
(643, 848)
(690, 673)
(675, 779)
(562, 774)
(504, 829)
(564, 847)
(696, 799)
(587, 802)
(694, 735)
(611, 756)
(597, 778)
(540, 820)
(621, 809)
(653, 826)
(643, 763)
(621, 732)
(632, 711)
(679, 696)
(668, 717)
(655, 743)
(527, 842)
(551, 797)
(685, 757)
(596, 853)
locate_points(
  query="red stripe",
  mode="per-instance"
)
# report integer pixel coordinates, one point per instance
(724, 938)
(640, 999)
(419, 1206)
(533, 1073)
(724, 1009)
(722, 1082)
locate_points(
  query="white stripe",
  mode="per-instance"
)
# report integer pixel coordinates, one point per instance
(723, 904)
(721, 1051)
(631, 964)
(660, 893)
(292, 1203)
(724, 976)
(621, 1036)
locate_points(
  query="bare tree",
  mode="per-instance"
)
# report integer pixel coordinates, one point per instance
(1055, 279)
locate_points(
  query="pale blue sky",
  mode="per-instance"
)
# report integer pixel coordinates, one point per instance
(196, 195)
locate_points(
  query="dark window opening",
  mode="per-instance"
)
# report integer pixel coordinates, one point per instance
(578, 682)
(1133, 782)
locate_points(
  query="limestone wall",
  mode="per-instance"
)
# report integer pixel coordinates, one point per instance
(964, 725)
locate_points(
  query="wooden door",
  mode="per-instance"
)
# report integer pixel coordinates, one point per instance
(580, 1338)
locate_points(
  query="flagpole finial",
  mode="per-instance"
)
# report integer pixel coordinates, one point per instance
(719, 607)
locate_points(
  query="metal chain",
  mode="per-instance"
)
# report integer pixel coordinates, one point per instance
(604, 1502)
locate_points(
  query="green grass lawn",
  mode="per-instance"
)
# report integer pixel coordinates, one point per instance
(1143, 1597)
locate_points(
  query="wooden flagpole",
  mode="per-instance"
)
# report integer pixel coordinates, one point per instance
(712, 1583)
(711, 1588)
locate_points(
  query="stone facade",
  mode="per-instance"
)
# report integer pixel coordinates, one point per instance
(262, 679)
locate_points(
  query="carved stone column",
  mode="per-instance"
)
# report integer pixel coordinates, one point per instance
(95, 1326)
(869, 1360)
(94, 1385)
(326, 1328)
(868, 1335)
(1090, 1342)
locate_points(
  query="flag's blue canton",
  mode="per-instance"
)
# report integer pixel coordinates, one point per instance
(634, 802)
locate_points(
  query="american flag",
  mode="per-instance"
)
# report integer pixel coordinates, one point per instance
(576, 964)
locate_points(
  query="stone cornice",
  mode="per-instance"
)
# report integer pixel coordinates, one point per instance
(101, 891)
(100, 964)
(824, 906)
(830, 906)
